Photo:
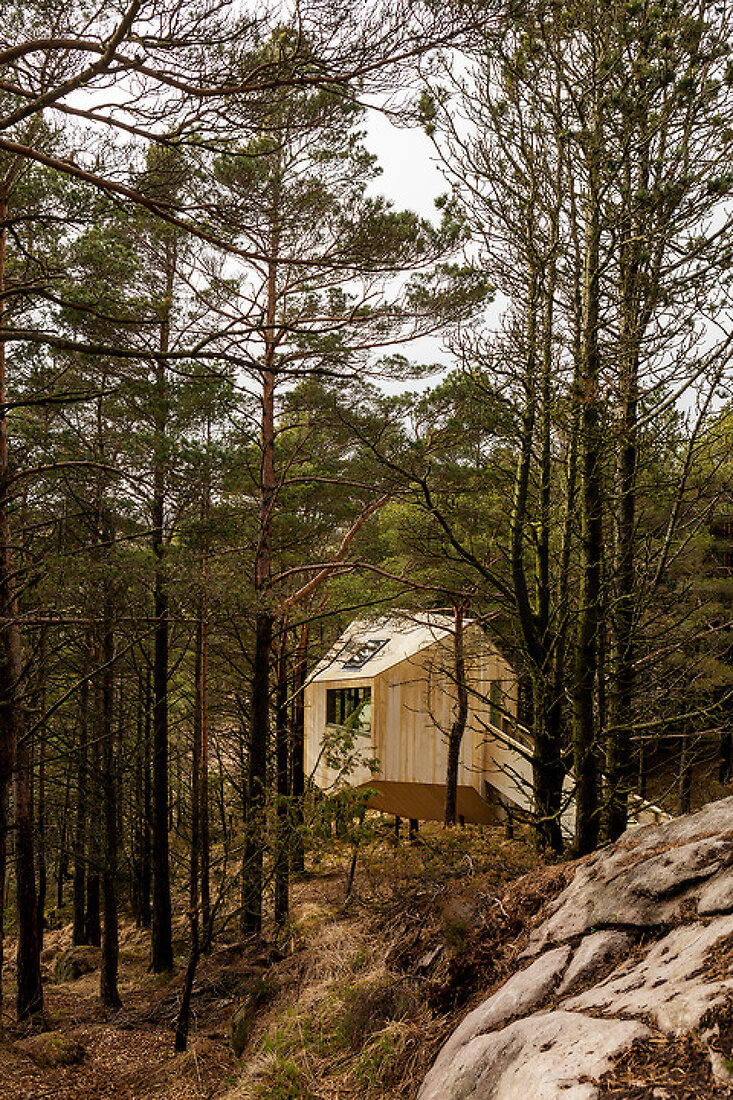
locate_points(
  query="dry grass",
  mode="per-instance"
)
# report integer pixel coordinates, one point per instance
(358, 1011)
(357, 1015)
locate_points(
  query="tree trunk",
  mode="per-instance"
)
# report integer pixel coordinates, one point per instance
(195, 854)
(458, 728)
(11, 664)
(685, 774)
(619, 757)
(297, 754)
(29, 1000)
(724, 759)
(184, 1015)
(260, 701)
(110, 942)
(282, 839)
(204, 773)
(92, 923)
(162, 944)
(146, 875)
(257, 782)
(162, 941)
(3, 876)
(41, 825)
(548, 771)
(585, 750)
(62, 865)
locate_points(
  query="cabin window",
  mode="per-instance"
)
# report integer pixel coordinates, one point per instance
(350, 707)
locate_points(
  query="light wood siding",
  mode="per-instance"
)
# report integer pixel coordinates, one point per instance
(413, 706)
(315, 725)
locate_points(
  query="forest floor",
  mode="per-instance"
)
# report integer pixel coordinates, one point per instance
(353, 1002)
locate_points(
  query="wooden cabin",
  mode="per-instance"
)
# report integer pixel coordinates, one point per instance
(379, 706)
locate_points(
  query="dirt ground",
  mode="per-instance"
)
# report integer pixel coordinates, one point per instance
(359, 997)
(128, 1054)
(351, 1002)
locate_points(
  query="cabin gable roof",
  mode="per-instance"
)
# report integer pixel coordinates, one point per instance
(372, 646)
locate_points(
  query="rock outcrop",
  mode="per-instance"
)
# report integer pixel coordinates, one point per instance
(637, 949)
(51, 1048)
(76, 961)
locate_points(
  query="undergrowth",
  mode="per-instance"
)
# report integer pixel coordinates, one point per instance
(357, 1014)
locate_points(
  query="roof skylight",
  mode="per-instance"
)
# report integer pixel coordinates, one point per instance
(365, 652)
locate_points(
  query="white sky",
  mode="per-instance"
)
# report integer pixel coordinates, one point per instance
(410, 176)
(411, 180)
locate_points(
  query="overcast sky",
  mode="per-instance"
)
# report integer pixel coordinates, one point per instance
(410, 177)
(410, 180)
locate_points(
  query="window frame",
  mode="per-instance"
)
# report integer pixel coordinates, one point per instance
(343, 713)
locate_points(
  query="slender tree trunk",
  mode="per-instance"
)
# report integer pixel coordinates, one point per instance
(724, 759)
(41, 837)
(619, 757)
(297, 753)
(195, 854)
(11, 663)
(257, 772)
(184, 1015)
(221, 795)
(548, 771)
(585, 750)
(137, 799)
(92, 922)
(204, 751)
(78, 935)
(162, 940)
(643, 767)
(458, 728)
(685, 774)
(41, 800)
(162, 944)
(62, 865)
(110, 940)
(146, 878)
(29, 1000)
(264, 619)
(3, 877)
(282, 840)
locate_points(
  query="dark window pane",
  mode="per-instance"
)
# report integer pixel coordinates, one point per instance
(349, 706)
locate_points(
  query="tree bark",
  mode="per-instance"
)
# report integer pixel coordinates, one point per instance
(62, 864)
(162, 937)
(92, 922)
(260, 697)
(252, 868)
(146, 873)
(41, 836)
(282, 839)
(29, 1000)
(585, 749)
(108, 990)
(297, 753)
(685, 774)
(204, 772)
(11, 664)
(458, 728)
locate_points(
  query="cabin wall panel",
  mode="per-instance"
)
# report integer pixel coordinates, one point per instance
(413, 705)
